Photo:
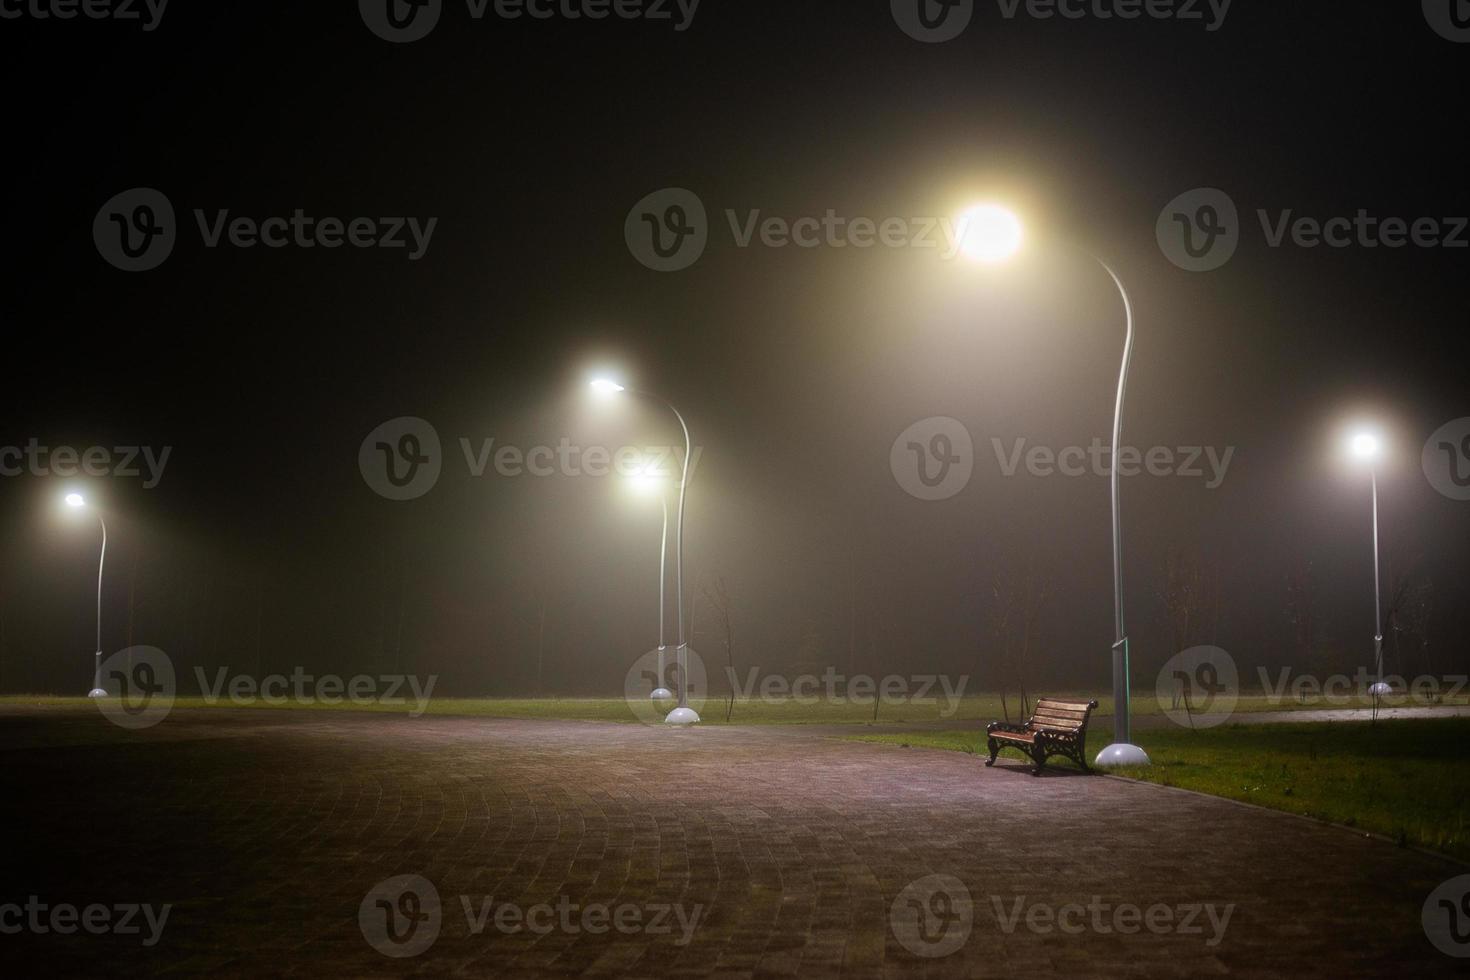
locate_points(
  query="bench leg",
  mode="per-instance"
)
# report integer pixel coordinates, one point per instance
(994, 747)
(1039, 757)
(1078, 754)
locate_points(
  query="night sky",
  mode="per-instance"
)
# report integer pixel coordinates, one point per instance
(263, 548)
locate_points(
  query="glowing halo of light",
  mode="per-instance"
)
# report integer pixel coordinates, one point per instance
(989, 233)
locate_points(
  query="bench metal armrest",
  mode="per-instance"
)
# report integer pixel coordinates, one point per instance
(1006, 726)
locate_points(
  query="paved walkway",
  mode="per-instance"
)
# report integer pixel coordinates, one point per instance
(646, 852)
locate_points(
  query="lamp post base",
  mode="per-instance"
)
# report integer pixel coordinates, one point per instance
(662, 694)
(1120, 755)
(682, 717)
(96, 692)
(1380, 690)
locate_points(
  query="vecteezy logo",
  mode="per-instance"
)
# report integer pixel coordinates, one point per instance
(668, 230)
(643, 678)
(1199, 687)
(1449, 18)
(1447, 459)
(401, 459)
(400, 21)
(139, 685)
(933, 21)
(933, 916)
(933, 459)
(1199, 230)
(1446, 917)
(135, 230)
(400, 917)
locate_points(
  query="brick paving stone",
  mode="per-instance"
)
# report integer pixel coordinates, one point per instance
(265, 831)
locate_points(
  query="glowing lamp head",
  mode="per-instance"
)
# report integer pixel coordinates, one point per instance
(1365, 446)
(646, 481)
(989, 233)
(603, 386)
(75, 500)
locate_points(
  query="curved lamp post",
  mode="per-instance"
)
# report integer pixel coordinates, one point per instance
(645, 478)
(662, 693)
(76, 501)
(1122, 752)
(991, 234)
(1366, 447)
(683, 714)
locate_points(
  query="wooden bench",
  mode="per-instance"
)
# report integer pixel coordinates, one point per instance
(1057, 727)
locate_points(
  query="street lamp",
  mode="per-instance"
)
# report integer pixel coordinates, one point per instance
(77, 502)
(683, 714)
(646, 479)
(1368, 448)
(991, 234)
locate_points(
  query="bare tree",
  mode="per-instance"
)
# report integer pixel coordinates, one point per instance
(718, 597)
(1302, 612)
(1020, 595)
(398, 620)
(133, 608)
(883, 635)
(259, 620)
(1191, 598)
(132, 597)
(538, 599)
(1406, 620)
(2, 631)
(383, 609)
(851, 607)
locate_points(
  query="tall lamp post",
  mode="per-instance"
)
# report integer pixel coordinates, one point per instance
(683, 714)
(649, 480)
(1122, 752)
(991, 234)
(1367, 447)
(76, 501)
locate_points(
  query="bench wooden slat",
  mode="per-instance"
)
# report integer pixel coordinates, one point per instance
(1077, 716)
(1057, 721)
(1062, 711)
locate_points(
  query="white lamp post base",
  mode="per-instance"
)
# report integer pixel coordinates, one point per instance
(1121, 754)
(662, 694)
(96, 692)
(682, 717)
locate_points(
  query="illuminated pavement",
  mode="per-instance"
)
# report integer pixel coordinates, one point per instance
(266, 832)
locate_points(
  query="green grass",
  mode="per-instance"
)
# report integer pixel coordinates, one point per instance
(978, 707)
(1403, 779)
